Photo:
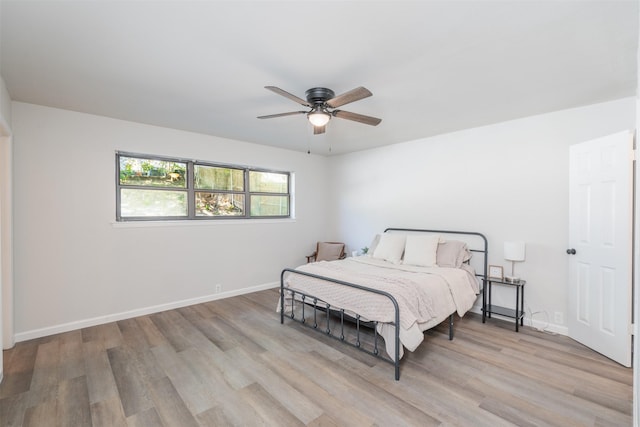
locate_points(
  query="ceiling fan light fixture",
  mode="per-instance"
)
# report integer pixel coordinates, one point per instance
(318, 117)
(324, 103)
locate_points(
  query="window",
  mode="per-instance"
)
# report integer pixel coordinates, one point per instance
(153, 188)
(269, 193)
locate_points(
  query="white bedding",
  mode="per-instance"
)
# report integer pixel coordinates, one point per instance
(426, 295)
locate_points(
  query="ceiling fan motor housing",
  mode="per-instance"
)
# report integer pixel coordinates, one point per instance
(324, 103)
(317, 95)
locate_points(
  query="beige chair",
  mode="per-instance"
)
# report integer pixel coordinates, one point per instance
(327, 251)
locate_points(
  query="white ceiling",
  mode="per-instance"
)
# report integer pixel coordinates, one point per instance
(433, 66)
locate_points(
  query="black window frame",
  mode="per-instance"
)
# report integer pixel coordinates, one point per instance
(190, 190)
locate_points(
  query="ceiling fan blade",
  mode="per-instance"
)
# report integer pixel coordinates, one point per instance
(317, 130)
(367, 120)
(347, 97)
(271, 116)
(288, 95)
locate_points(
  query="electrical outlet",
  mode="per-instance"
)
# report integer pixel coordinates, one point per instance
(218, 288)
(558, 318)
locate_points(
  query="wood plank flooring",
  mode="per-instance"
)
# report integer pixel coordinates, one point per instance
(230, 362)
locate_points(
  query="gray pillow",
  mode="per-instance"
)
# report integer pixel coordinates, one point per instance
(452, 254)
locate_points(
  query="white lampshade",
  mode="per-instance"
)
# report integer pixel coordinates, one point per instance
(514, 251)
(318, 118)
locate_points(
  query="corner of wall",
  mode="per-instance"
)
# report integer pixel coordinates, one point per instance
(5, 109)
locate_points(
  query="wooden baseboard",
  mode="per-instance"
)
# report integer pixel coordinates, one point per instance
(79, 324)
(536, 324)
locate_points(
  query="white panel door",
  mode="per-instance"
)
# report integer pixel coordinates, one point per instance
(600, 245)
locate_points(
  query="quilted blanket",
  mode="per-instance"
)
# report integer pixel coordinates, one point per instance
(425, 295)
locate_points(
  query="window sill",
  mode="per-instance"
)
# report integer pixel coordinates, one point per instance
(198, 223)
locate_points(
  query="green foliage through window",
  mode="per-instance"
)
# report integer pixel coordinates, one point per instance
(152, 173)
(153, 188)
(217, 178)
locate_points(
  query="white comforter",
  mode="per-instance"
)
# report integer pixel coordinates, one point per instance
(425, 296)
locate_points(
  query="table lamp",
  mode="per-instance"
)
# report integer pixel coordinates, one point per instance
(514, 252)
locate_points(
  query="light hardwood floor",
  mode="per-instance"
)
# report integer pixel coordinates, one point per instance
(230, 362)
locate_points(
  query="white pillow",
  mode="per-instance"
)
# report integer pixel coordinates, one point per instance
(373, 245)
(390, 247)
(421, 250)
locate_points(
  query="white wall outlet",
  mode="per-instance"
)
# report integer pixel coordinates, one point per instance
(218, 288)
(558, 318)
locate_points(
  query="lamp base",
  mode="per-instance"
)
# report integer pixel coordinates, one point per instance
(512, 279)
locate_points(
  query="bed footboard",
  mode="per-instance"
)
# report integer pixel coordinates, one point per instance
(315, 305)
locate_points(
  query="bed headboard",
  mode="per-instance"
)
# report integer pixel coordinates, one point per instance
(477, 243)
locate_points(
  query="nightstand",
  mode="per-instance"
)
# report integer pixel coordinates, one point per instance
(488, 308)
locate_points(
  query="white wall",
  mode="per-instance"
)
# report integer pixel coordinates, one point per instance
(3, 119)
(6, 318)
(73, 267)
(636, 264)
(508, 181)
(5, 109)
(636, 279)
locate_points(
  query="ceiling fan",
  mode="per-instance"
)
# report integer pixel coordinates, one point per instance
(323, 104)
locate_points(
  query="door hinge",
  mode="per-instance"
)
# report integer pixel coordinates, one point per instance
(634, 329)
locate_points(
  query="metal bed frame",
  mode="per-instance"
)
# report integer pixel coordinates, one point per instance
(318, 305)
